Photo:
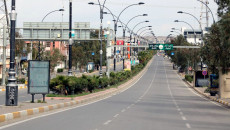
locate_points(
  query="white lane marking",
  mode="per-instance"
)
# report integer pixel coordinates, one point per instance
(179, 109)
(52, 113)
(123, 110)
(128, 107)
(182, 113)
(132, 105)
(151, 81)
(183, 118)
(174, 100)
(107, 122)
(116, 116)
(188, 125)
(201, 96)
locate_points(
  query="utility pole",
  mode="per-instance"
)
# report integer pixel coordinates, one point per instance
(12, 87)
(4, 57)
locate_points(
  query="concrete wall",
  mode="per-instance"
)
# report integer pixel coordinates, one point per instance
(224, 84)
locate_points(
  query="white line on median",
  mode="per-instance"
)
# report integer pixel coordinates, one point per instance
(188, 125)
(116, 116)
(107, 122)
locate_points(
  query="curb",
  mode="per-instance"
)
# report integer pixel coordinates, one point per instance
(33, 111)
(209, 97)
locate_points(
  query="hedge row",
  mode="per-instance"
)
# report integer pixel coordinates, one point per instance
(66, 85)
(189, 78)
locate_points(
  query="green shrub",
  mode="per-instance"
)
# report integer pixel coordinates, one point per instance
(104, 82)
(60, 70)
(189, 78)
(21, 80)
(93, 83)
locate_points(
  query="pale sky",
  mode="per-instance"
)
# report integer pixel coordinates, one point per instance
(161, 13)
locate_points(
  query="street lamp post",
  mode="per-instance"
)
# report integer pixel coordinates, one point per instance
(209, 10)
(12, 87)
(102, 6)
(124, 30)
(181, 12)
(115, 27)
(190, 26)
(70, 38)
(39, 44)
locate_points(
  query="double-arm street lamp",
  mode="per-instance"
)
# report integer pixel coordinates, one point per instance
(190, 26)
(102, 6)
(115, 27)
(209, 10)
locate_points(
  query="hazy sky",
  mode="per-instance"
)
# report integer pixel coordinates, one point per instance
(161, 13)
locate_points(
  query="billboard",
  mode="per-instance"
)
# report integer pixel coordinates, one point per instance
(39, 77)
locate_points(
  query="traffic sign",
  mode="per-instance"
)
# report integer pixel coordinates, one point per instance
(172, 54)
(93, 53)
(205, 72)
(161, 47)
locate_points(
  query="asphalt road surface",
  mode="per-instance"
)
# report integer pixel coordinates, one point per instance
(158, 101)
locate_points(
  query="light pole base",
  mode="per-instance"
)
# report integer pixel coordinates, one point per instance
(11, 90)
(70, 73)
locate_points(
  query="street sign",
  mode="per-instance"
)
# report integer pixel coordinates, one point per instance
(172, 54)
(204, 72)
(39, 77)
(93, 53)
(118, 51)
(161, 47)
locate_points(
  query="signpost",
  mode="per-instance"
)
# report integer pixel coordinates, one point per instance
(204, 73)
(38, 78)
(166, 47)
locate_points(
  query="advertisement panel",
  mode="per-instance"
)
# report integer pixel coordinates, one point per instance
(39, 77)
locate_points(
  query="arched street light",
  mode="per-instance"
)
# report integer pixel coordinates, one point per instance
(181, 12)
(140, 3)
(175, 32)
(102, 6)
(190, 26)
(209, 10)
(143, 28)
(176, 29)
(51, 13)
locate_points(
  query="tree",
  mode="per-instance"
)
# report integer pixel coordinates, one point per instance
(55, 57)
(223, 6)
(211, 52)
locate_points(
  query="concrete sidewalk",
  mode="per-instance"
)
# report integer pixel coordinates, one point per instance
(201, 90)
(26, 108)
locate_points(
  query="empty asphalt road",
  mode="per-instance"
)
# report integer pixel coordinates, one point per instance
(158, 101)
